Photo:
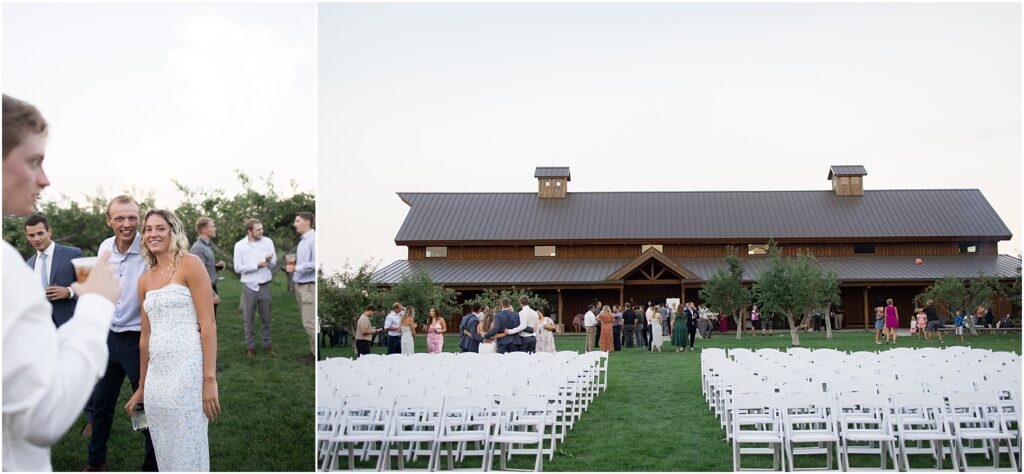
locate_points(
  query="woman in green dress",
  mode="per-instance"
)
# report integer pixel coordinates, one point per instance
(678, 330)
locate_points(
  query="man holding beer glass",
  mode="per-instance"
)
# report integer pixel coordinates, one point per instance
(47, 375)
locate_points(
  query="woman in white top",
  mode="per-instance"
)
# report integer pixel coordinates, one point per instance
(408, 327)
(656, 338)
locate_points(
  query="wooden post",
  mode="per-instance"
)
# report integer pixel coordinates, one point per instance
(622, 295)
(560, 307)
(867, 310)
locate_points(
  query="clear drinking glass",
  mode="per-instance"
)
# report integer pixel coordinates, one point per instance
(139, 422)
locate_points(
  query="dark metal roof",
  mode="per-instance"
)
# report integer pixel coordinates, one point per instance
(655, 216)
(596, 271)
(850, 170)
(552, 172)
(508, 272)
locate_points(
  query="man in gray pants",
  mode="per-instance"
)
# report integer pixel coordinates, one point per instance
(255, 256)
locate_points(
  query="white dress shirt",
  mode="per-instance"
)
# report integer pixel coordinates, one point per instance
(589, 320)
(49, 263)
(650, 315)
(248, 254)
(48, 373)
(527, 318)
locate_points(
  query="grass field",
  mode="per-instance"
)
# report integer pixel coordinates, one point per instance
(653, 417)
(267, 402)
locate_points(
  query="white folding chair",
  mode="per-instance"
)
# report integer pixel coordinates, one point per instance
(919, 418)
(466, 419)
(755, 420)
(366, 420)
(863, 417)
(416, 420)
(977, 416)
(809, 418)
(520, 421)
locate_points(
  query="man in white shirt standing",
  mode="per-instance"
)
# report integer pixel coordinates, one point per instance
(254, 258)
(527, 325)
(589, 325)
(47, 375)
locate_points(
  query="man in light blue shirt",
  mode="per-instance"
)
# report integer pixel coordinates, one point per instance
(305, 278)
(125, 330)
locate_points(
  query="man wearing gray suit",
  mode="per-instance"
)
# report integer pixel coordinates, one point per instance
(505, 319)
(52, 264)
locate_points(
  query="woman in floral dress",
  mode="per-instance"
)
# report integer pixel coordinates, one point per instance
(545, 333)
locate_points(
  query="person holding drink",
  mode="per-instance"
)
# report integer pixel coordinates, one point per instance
(255, 256)
(47, 374)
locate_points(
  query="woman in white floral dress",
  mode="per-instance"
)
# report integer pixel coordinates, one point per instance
(545, 333)
(178, 346)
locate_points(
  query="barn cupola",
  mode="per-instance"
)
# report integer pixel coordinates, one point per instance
(847, 180)
(552, 181)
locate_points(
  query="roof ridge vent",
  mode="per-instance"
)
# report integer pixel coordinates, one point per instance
(552, 181)
(847, 180)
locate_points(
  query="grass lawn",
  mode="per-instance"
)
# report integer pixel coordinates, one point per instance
(267, 403)
(653, 417)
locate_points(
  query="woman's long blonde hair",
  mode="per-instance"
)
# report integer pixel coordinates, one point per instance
(178, 248)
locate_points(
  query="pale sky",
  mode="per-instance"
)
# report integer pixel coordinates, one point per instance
(658, 97)
(139, 94)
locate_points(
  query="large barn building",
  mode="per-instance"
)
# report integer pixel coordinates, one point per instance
(574, 248)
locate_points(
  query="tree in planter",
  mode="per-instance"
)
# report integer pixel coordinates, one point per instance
(791, 287)
(419, 291)
(724, 291)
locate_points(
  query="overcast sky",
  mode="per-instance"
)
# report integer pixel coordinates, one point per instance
(658, 97)
(139, 95)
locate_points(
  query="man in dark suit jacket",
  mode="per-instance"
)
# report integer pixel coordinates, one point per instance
(506, 319)
(55, 260)
(470, 339)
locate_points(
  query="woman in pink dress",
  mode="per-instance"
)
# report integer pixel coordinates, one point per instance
(892, 321)
(723, 323)
(545, 333)
(435, 332)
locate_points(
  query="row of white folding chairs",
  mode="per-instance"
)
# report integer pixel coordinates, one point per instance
(787, 423)
(385, 425)
(740, 380)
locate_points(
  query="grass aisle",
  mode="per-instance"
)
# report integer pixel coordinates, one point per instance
(267, 403)
(653, 417)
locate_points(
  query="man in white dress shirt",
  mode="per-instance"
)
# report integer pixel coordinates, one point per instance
(47, 375)
(527, 326)
(589, 325)
(254, 258)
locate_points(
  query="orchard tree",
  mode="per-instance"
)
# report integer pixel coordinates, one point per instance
(724, 291)
(419, 291)
(828, 291)
(791, 286)
(493, 299)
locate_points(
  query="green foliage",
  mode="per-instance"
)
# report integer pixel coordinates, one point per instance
(966, 295)
(1015, 289)
(724, 291)
(793, 287)
(419, 291)
(342, 297)
(85, 227)
(493, 299)
(72, 224)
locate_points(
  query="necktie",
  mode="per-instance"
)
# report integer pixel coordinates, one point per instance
(44, 273)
